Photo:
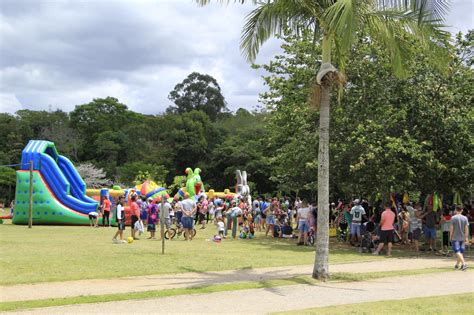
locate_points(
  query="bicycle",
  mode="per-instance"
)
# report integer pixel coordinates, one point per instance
(177, 230)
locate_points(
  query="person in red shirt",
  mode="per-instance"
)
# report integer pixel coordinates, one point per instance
(105, 210)
(386, 230)
(135, 210)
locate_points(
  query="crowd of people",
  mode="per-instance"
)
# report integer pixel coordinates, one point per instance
(357, 222)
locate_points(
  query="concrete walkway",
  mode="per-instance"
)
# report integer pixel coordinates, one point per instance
(162, 282)
(262, 301)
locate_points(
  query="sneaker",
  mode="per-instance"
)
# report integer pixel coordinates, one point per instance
(123, 241)
(375, 253)
(464, 267)
(114, 240)
(456, 266)
(136, 238)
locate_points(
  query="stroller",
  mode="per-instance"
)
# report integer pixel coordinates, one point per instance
(369, 239)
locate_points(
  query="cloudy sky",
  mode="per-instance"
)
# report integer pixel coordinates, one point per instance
(60, 53)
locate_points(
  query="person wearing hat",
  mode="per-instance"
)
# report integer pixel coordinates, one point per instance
(357, 213)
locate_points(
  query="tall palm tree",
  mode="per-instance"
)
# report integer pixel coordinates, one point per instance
(337, 24)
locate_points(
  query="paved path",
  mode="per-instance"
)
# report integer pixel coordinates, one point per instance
(262, 301)
(163, 282)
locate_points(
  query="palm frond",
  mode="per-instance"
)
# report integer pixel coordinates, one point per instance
(272, 18)
(394, 27)
(436, 9)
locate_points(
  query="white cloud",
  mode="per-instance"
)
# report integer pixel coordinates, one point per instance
(62, 53)
(9, 103)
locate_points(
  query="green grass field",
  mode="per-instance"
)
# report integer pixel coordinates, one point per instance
(447, 304)
(58, 253)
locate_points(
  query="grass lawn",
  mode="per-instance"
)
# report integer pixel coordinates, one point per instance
(59, 253)
(447, 304)
(337, 277)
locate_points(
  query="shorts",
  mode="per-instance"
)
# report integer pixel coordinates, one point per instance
(303, 226)
(416, 234)
(257, 219)
(188, 222)
(221, 233)
(445, 238)
(270, 220)
(386, 236)
(458, 246)
(355, 229)
(134, 220)
(121, 226)
(264, 216)
(92, 217)
(430, 233)
(151, 227)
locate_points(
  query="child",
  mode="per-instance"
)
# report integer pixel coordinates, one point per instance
(251, 227)
(93, 219)
(152, 219)
(220, 227)
(120, 222)
(404, 217)
(445, 224)
(244, 231)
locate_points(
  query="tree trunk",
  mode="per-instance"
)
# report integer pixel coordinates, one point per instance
(321, 269)
(325, 79)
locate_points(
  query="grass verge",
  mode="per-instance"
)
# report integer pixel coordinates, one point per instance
(235, 286)
(447, 304)
(61, 253)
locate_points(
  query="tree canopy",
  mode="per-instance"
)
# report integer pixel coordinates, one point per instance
(199, 92)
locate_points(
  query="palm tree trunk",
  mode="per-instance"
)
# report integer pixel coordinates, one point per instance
(321, 268)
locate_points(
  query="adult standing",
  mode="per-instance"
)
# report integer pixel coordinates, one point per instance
(386, 230)
(430, 228)
(164, 212)
(231, 216)
(270, 220)
(178, 209)
(135, 211)
(459, 231)
(303, 224)
(357, 213)
(189, 212)
(106, 211)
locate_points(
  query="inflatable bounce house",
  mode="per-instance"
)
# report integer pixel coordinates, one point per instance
(59, 193)
(147, 189)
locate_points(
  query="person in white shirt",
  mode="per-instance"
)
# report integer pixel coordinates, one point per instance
(120, 221)
(189, 212)
(357, 213)
(303, 224)
(220, 227)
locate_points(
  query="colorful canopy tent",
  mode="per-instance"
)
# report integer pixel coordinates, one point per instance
(59, 193)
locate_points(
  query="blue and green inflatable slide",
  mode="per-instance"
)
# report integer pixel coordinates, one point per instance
(59, 193)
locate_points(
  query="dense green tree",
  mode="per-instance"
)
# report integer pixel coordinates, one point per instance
(199, 92)
(243, 147)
